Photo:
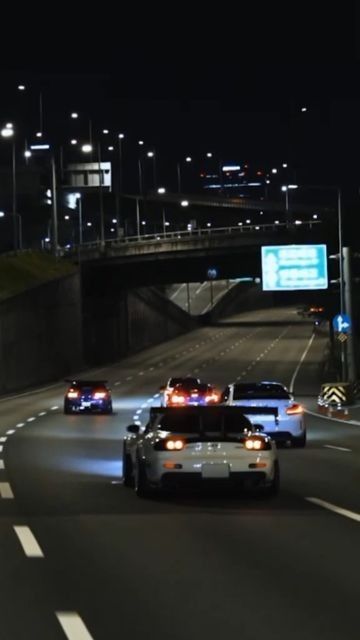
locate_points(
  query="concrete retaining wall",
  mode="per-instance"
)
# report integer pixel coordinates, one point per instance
(117, 324)
(40, 334)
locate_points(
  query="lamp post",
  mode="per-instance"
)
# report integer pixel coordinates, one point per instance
(151, 154)
(88, 148)
(347, 354)
(187, 159)
(8, 132)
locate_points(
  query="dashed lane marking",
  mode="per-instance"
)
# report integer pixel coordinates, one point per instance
(54, 408)
(42, 413)
(73, 625)
(2, 464)
(28, 542)
(331, 446)
(30, 419)
(333, 507)
(10, 431)
(3, 439)
(6, 491)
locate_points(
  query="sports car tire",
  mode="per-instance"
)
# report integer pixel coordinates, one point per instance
(142, 489)
(127, 470)
(67, 409)
(273, 489)
(300, 443)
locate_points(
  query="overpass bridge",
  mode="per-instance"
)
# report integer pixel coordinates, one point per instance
(182, 256)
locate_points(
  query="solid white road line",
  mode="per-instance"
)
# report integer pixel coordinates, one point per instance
(73, 626)
(2, 464)
(318, 415)
(331, 446)
(28, 542)
(5, 490)
(291, 388)
(332, 507)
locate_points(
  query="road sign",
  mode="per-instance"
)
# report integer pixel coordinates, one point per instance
(293, 267)
(342, 323)
(342, 337)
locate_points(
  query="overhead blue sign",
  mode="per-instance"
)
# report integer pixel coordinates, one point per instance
(342, 323)
(293, 267)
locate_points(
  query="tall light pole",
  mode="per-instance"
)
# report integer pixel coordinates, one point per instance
(187, 159)
(151, 154)
(8, 132)
(119, 190)
(88, 148)
(54, 242)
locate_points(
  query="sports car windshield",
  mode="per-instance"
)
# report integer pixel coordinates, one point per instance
(260, 391)
(211, 423)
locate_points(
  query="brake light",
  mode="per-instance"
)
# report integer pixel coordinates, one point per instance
(254, 444)
(175, 399)
(174, 445)
(72, 394)
(212, 397)
(99, 395)
(294, 409)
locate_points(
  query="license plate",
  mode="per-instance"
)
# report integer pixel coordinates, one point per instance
(86, 404)
(216, 470)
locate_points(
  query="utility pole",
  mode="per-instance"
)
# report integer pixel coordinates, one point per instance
(351, 368)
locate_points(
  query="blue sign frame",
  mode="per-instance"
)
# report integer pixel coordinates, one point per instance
(293, 267)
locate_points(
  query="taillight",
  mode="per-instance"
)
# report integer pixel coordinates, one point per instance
(174, 445)
(99, 395)
(72, 394)
(294, 409)
(175, 399)
(212, 397)
(254, 444)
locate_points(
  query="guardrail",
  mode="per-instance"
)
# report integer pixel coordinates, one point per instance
(186, 235)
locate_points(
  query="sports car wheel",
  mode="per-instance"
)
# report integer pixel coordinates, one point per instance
(141, 482)
(127, 470)
(299, 443)
(273, 488)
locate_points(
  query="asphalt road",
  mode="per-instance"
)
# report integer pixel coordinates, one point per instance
(91, 560)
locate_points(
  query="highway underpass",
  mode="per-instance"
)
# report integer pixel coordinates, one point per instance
(190, 566)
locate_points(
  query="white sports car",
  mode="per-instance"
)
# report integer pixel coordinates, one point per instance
(289, 420)
(197, 446)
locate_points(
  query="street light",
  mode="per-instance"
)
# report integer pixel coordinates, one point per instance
(151, 154)
(8, 132)
(87, 148)
(187, 159)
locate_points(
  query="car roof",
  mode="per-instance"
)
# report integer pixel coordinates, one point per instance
(183, 379)
(89, 383)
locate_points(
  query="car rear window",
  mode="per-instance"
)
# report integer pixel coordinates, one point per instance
(258, 391)
(175, 381)
(210, 423)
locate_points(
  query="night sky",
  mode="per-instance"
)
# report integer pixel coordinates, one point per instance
(223, 81)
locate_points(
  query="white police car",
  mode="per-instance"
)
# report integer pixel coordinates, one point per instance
(197, 446)
(288, 425)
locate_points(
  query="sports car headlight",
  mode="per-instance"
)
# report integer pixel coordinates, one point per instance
(174, 445)
(254, 444)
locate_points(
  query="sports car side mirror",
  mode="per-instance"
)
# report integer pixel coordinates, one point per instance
(133, 428)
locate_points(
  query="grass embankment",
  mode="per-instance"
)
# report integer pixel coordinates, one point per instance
(26, 270)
